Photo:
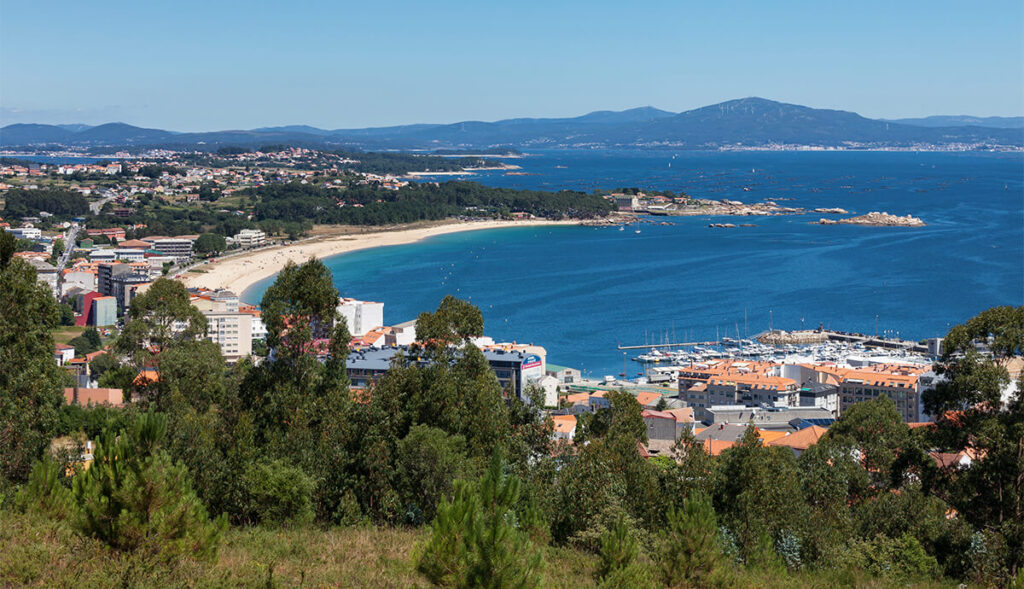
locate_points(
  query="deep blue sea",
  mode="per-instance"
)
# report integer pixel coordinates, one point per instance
(580, 291)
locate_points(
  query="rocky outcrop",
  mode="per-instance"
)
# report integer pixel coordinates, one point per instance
(877, 219)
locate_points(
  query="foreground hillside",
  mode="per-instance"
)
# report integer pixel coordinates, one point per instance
(38, 552)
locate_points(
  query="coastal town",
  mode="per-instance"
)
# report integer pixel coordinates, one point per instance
(97, 258)
(146, 257)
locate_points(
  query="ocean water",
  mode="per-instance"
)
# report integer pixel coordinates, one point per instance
(580, 291)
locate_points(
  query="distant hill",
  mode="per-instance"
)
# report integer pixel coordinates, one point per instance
(743, 122)
(964, 120)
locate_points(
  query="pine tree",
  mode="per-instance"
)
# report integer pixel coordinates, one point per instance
(475, 540)
(618, 549)
(690, 552)
(134, 498)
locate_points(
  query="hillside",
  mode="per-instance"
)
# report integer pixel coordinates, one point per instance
(41, 553)
(745, 122)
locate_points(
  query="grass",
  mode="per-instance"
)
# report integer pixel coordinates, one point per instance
(64, 334)
(37, 552)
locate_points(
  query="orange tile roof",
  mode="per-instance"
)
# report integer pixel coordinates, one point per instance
(716, 447)
(683, 414)
(802, 439)
(767, 436)
(658, 414)
(146, 376)
(646, 398)
(564, 423)
(578, 398)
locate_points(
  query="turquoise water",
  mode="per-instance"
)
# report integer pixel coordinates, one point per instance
(579, 291)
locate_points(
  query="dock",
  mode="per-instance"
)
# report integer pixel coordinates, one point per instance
(676, 345)
(868, 341)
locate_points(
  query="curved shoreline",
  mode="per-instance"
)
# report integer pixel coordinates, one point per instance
(240, 272)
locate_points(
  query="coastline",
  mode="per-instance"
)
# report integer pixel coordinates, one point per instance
(239, 272)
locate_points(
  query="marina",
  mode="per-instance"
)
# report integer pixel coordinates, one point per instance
(661, 364)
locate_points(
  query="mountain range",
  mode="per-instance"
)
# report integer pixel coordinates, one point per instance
(748, 122)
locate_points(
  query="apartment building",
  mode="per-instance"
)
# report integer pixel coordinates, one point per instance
(250, 238)
(361, 316)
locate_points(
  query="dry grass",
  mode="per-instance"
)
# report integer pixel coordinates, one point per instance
(36, 552)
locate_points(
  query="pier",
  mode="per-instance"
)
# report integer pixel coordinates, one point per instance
(801, 338)
(677, 345)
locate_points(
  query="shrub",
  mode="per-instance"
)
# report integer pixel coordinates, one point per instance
(901, 559)
(278, 494)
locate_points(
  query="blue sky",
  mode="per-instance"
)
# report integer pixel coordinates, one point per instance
(194, 66)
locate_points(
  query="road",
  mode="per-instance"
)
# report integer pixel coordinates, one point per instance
(69, 246)
(95, 207)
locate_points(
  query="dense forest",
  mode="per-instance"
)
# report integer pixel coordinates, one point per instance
(20, 202)
(206, 452)
(370, 205)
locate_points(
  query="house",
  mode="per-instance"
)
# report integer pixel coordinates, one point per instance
(563, 374)
(565, 427)
(661, 425)
(64, 354)
(799, 441)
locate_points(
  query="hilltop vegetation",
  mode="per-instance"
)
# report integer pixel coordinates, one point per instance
(369, 205)
(279, 472)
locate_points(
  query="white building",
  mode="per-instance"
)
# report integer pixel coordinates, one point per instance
(226, 325)
(403, 334)
(46, 273)
(361, 316)
(231, 331)
(130, 255)
(102, 256)
(79, 279)
(27, 233)
(250, 238)
(181, 249)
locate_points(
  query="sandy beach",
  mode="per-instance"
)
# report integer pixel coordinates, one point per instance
(239, 272)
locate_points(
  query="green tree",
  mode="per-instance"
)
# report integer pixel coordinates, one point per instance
(690, 554)
(210, 243)
(134, 498)
(875, 431)
(158, 320)
(67, 315)
(31, 383)
(101, 364)
(978, 410)
(429, 460)
(474, 541)
(278, 494)
(8, 245)
(758, 494)
(619, 549)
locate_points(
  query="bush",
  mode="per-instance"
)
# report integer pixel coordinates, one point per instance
(278, 494)
(901, 560)
(428, 461)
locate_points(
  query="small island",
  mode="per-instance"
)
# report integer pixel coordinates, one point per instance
(877, 219)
